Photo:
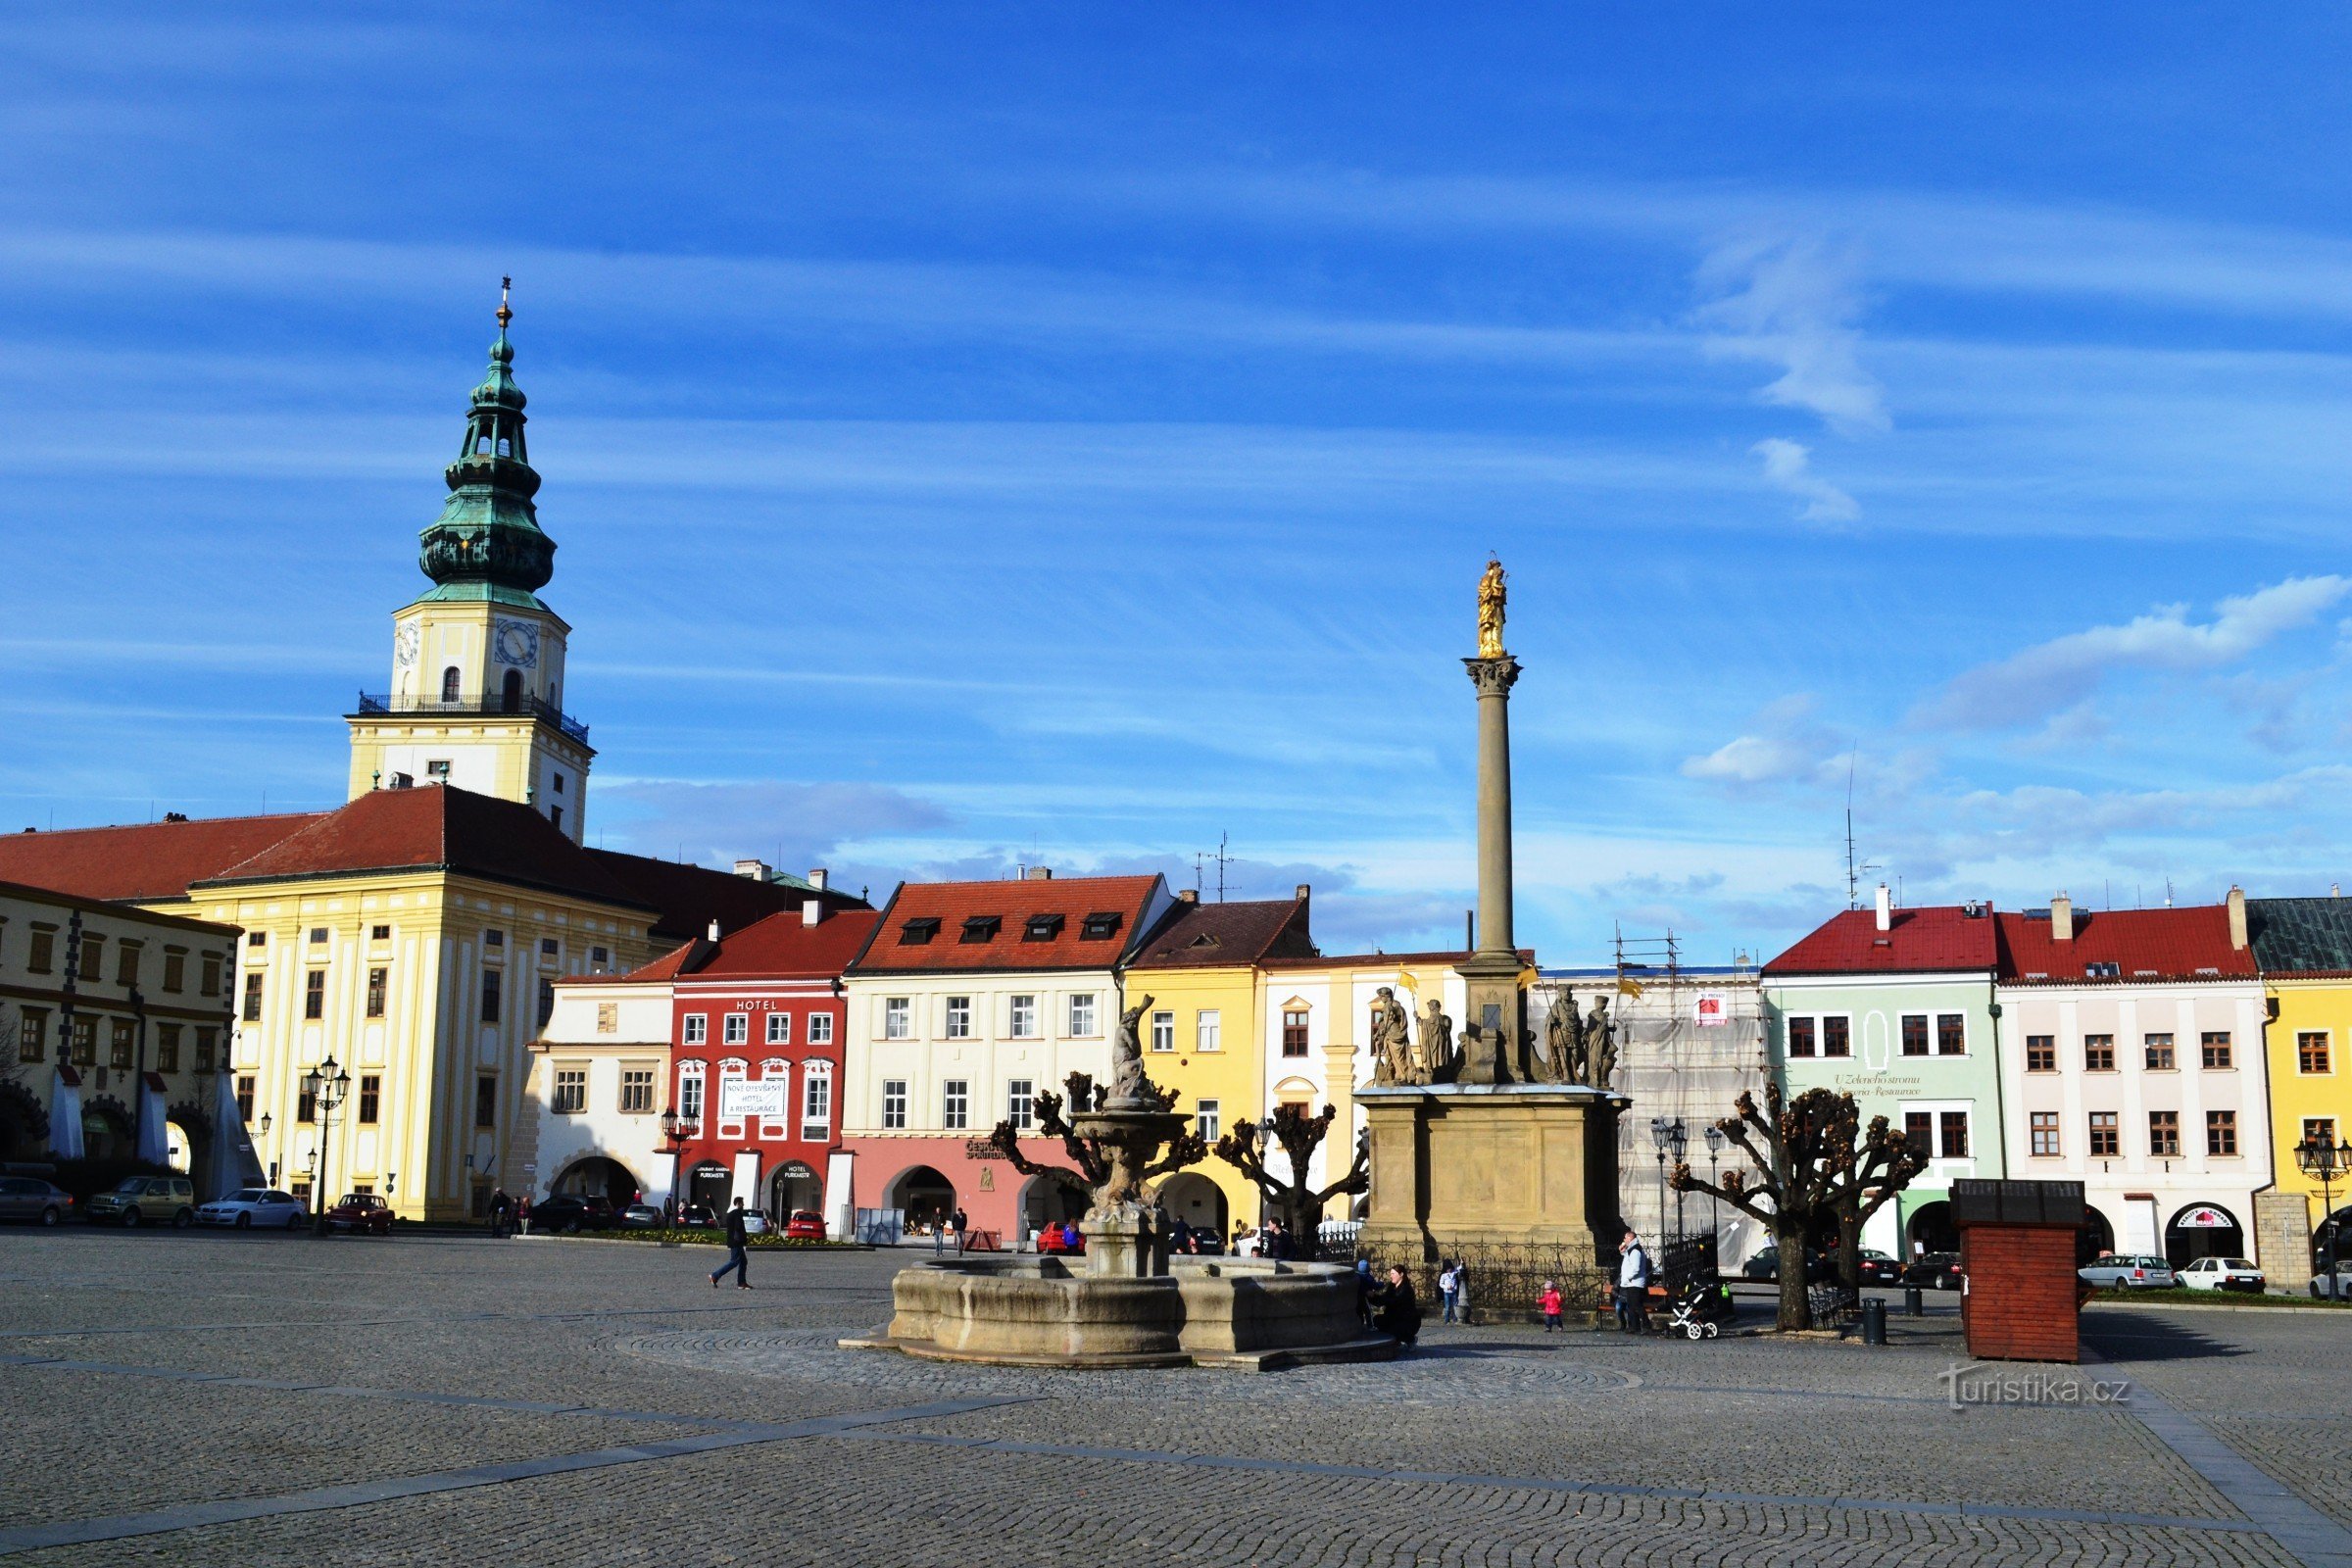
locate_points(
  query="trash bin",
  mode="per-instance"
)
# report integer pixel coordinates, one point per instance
(1913, 1307)
(1873, 1320)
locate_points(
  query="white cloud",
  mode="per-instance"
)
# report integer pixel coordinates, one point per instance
(2052, 676)
(1789, 466)
(1789, 303)
(1785, 747)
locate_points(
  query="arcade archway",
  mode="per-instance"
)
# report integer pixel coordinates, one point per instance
(599, 1176)
(926, 1197)
(794, 1186)
(1197, 1200)
(2203, 1230)
(1930, 1229)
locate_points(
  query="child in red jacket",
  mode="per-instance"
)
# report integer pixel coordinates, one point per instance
(1552, 1305)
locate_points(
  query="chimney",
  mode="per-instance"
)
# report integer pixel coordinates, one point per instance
(812, 910)
(817, 877)
(2062, 918)
(1886, 909)
(1302, 892)
(1039, 873)
(1188, 895)
(715, 930)
(757, 870)
(2237, 919)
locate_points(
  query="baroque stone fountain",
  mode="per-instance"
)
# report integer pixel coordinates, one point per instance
(1127, 1302)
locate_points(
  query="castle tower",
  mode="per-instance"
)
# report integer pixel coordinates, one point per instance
(478, 661)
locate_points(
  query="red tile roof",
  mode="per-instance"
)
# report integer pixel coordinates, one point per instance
(2143, 945)
(144, 861)
(951, 904)
(783, 947)
(1939, 939)
(689, 897)
(1199, 936)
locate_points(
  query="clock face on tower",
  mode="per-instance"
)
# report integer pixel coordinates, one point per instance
(518, 643)
(404, 646)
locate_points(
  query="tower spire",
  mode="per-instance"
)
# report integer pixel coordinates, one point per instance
(486, 544)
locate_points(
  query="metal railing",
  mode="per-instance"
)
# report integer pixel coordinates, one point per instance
(480, 702)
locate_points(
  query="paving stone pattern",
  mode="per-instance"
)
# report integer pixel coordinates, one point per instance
(457, 1400)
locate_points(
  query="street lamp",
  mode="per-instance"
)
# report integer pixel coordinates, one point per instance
(326, 1084)
(1660, 1136)
(1678, 1139)
(677, 1132)
(1714, 1204)
(2323, 1159)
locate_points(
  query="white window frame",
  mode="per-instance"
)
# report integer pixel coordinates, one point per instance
(894, 1101)
(1021, 1016)
(1163, 1029)
(571, 1075)
(956, 1105)
(691, 1082)
(777, 1126)
(780, 1028)
(817, 1102)
(1820, 1037)
(697, 1031)
(1208, 1030)
(1209, 1119)
(898, 1017)
(736, 1029)
(955, 1018)
(1020, 1102)
(820, 1028)
(1085, 1017)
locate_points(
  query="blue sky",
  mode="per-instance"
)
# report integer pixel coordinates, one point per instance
(983, 435)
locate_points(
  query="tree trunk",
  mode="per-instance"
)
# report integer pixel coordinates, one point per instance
(1796, 1307)
(1850, 1251)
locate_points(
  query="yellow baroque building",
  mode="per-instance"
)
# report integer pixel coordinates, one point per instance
(1206, 1030)
(412, 936)
(2304, 949)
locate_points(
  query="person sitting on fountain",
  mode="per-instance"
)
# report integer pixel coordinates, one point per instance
(1397, 1312)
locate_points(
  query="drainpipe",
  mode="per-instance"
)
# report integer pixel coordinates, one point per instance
(2000, 1110)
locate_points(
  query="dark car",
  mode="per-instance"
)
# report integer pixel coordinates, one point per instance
(360, 1213)
(1936, 1270)
(30, 1198)
(566, 1216)
(1878, 1268)
(1766, 1265)
(641, 1217)
(695, 1216)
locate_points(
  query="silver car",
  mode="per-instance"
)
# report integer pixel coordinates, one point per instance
(28, 1198)
(250, 1206)
(2119, 1271)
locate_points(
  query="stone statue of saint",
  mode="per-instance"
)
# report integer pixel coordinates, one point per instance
(1391, 1039)
(1490, 594)
(1127, 1054)
(1601, 1044)
(1437, 1040)
(1563, 1041)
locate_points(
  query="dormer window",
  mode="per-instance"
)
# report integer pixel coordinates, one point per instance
(1041, 927)
(982, 927)
(1206, 939)
(2102, 972)
(919, 931)
(1102, 925)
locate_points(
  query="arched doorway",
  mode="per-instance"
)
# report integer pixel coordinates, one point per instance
(511, 698)
(2203, 1230)
(24, 1121)
(1930, 1229)
(925, 1196)
(598, 1177)
(2095, 1238)
(106, 1131)
(1197, 1200)
(794, 1186)
(709, 1186)
(1052, 1200)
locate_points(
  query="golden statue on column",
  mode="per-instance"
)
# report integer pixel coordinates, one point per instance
(1490, 594)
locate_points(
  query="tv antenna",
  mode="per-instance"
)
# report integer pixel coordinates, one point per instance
(1855, 868)
(1222, 860)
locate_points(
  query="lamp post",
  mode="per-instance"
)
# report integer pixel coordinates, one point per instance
(1678, 1139)
(263, 1127)
(676, 1132)
(325, 1084)
(2323, 1159)
(1661, 1135)
(1714, 1204)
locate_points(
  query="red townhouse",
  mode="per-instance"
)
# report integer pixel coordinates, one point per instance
(756, 1039)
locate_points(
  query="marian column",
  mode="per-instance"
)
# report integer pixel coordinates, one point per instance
(1497, 1005)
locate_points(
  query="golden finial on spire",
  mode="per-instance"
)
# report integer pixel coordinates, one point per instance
(505, 314)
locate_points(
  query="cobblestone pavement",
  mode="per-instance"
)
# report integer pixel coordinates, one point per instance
(282, 1401)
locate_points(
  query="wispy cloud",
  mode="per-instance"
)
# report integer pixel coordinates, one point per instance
(1792, 302)
(1787, 466)
(1788, 745)
(2030, 685)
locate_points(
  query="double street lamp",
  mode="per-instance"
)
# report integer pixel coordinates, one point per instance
(2321, 1159)
(677, 1132)
(324, 1085)
(1671, 1138)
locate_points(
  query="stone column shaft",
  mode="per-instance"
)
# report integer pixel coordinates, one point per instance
(1494, 678)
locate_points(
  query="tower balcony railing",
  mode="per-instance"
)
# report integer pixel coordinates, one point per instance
(523, 705)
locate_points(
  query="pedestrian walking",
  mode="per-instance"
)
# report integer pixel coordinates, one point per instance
(501, 1208)
(1633, 1284)
(523, 1215)
(1445, 1289)
(1552, 1305)
(958, 1222)
(739, 1255)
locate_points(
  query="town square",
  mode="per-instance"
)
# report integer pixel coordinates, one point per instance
(1041, 786)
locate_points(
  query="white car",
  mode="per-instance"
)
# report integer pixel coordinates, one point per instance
(250, 1206)
(2221, 1274)
(2119, 1271)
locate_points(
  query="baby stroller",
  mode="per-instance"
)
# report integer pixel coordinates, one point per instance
(1701, 1309)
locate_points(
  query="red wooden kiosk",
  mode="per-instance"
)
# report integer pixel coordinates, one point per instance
(2020, 1297)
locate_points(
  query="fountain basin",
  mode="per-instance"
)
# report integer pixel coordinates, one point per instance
(1251, 1314)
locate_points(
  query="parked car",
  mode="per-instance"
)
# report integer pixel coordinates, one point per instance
(145, 1201)
(2221, 1274)
(1880, 1269)
(1061, 1239)
(1766, 1265)
(755, 1222)
(28, 1198)
(565, 1216)
(2343, 1281)
(641, 1217)
(250, 1206)
(2122, 1271)
(804, 1225)
(1939, 1271)
(360, 1213)
(695, 1216)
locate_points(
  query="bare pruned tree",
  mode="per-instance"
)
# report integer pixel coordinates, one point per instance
(1293, 1198)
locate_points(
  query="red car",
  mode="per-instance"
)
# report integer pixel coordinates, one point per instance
(804, 1225)
(1060, 1238)
(361, 1211)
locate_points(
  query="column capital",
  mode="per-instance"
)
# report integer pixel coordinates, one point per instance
(1493, 677)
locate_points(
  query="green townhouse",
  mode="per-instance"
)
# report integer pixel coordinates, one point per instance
(1897, 1006)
